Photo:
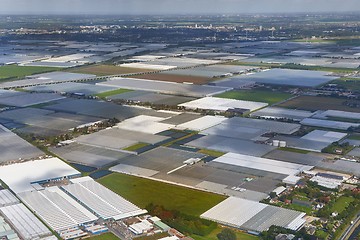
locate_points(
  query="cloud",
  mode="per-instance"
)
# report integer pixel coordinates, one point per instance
(173, 6)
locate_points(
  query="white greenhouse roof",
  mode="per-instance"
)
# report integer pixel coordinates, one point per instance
(222, 104)
(56, 208)
(7, 198)
(26, 224)
(145, 124)
(263, 164)
(202, 123)
(19, 176)
(105, 203)
(253, 216)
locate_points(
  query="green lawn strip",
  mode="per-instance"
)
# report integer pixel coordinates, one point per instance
(315, 40)
(316, 68)
(212, 236)
(142, 192)
(21, 90)
(179, 139)
(301, 197)
(298, 207)
(342, 203)
(321, 234)
(153, 237)
(112, 93)
(348, 83)
(136, 146)
(105, 236)
(354, 137)
(269, 97)
(13, 71)
(294, 66)
(211, 153)
(295, 150)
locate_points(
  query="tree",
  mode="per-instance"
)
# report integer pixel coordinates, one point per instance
(226, 234)
(273, 195)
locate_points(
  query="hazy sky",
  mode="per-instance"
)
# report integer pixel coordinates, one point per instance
(173, 6)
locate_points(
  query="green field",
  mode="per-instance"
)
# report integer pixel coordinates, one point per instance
(352, 84)
(14, 72)
(342, 203)
(106, 236)
(112, 93)
(256, 95)
(294, 66)
(153, 237)
(212, 153)
(142, 192)
(212, 235)
(354, 137)
(300, 208)
(136, 146)
(314, 103)
(295, 150)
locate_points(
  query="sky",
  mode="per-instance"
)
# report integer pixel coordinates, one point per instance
(174, 6)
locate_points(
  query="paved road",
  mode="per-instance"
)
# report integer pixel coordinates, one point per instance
(347, 233)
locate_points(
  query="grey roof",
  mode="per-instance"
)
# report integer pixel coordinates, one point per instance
(303, 78)
(71, 87)
(342, 166)
(328, 123)
(103, 109)
(190, 90)
(270, 216)
(88, 155)
(28, 99)
(225, 144)
(161, 159)
(271, 126)
(275, 112)
(13, 148)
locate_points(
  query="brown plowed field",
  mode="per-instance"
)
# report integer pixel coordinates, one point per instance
(312, 103)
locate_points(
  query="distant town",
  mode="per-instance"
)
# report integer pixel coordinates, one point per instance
(216, 127)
